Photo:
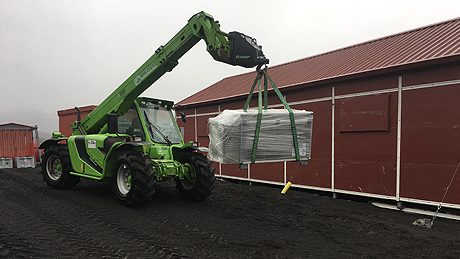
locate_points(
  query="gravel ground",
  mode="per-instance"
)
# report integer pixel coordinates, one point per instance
(237, 221)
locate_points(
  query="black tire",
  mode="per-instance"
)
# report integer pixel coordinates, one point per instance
(133, 178)
(202, 179)
(56, 168)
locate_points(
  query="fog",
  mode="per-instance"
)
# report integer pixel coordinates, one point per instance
(60, 54)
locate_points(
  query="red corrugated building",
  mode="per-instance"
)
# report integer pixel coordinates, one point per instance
(69, 116)
(16, 140)
(386, 117)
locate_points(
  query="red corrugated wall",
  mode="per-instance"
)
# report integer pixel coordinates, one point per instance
(430, 150)
(16, 143)
(68, 116)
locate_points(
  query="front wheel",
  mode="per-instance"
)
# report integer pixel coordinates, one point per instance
(133, 178)
(56, 168)
(199, 182)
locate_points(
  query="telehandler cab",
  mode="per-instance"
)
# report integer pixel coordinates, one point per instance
(135, 141)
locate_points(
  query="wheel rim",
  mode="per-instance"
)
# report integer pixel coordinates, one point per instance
(189, 181)
(124, 179)
(54, 167)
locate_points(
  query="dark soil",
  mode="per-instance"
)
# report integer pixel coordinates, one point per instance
(236, 221)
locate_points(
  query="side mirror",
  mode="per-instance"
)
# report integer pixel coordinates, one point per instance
(112, 123)
(182, 116)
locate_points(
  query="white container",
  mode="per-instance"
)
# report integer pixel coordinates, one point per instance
(25, 162)
(6, 162)
(232, 136)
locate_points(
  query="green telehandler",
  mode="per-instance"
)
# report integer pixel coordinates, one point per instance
(135, 141)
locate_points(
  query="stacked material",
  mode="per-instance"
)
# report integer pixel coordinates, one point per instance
(232, 136)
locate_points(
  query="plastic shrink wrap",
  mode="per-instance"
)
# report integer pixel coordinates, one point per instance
(232, 136)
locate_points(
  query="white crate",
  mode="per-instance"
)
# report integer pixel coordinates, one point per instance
(25, 162)
(232, 136)
(6, 162)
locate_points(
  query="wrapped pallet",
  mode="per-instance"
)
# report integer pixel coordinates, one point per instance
(232, 136)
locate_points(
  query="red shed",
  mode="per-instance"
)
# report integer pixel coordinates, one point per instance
(69, 116)
(16, 140)
(386, 117)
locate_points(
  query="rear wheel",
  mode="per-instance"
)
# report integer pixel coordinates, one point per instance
(133, 178)
(56, 168)
(199, 183)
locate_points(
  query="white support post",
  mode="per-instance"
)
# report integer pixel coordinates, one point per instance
(249, 173)
(285, 172)
(196, 128)
(332, 140)
(398, 143)
(220, 164)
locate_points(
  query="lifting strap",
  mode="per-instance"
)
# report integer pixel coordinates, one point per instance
(263, 73)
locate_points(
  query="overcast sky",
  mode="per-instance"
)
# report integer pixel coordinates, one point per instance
(58, 54)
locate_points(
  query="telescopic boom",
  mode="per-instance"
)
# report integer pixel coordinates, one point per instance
(233, 48)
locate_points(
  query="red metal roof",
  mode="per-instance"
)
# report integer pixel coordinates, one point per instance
(15, 126)
(411, 48)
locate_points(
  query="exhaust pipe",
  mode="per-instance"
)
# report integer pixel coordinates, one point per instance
(79, 120)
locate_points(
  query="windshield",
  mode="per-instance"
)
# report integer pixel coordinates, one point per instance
(160, 123)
